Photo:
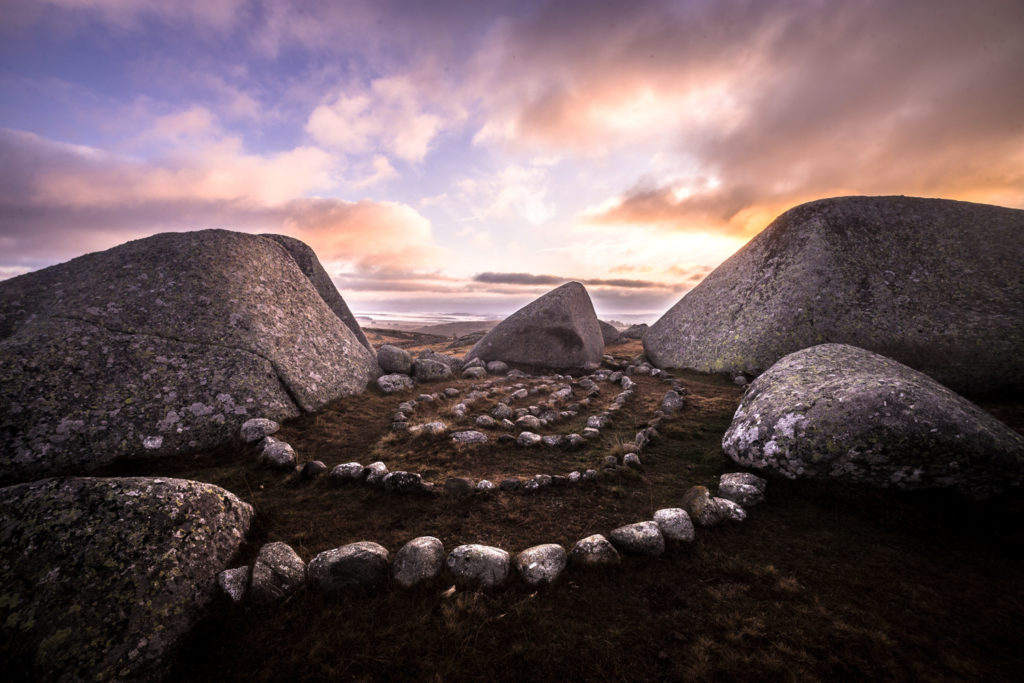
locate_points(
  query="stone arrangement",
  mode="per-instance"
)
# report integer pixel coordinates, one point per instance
(278, 571)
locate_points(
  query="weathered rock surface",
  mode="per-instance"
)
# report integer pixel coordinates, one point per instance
(394, 383)
(933, 283)
(742, 488)
(419, 560)
(838, 412)
(394, 360)
(636, 331)
(310, 265)
(402, 482)
(609, 333)
(277, 454)
(675, 525)
(469, 437)
(479, 566)
(255, 429)
(362, 565)
(430, 370)
(698, 504)
(593, 551)
(541, 564)
(163, 346)
(277, 573)
(558, 330)
(641, 538)
(349, 471)
(102, 577)
(234, 583)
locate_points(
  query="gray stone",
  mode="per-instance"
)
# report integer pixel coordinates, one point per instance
(486, 421)
(305, 258)
(374, 473)
(277, 454)
(484, 485)
(277, 573)
(609, 334)
(529, 439)
(163, 346)
(528, 422)
(458, 486)
(392, 384)
(672, 403)
(130, 564)
(593, 551)
(469, 437)
(742, 488)
(557, 330)
(454, 363)
(429, 370)
(727, 509)
(591, 433)
(675, 525)
(435, 428)
(589, 475)
(234, 583)
(597, 421)
(611, 461)
(474, 373)
(402, 482)
(255, 429)
(574, 477)
(641, 538)
(312, 469)
(511, 484)
(932, 283)
(574, 441)
(543, 480)
(419, 560)
(362, 565)
(838, 412)
(479, 566)
(350, 471)
(502, 412)
(497, 367)
(699, 506)
(475, 363)
(394, 360)
(451, 392)
(542, 564)
(554, 440)
(631, 460)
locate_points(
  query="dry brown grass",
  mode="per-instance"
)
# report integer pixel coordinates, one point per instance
(818, 583)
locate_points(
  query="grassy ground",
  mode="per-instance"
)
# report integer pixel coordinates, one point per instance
(817, 583)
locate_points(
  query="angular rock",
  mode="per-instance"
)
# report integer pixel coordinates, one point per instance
(699, 506)
(419, 560)
(429, 370)
(479, 566)
(394, 383)
(277, 573)
(394, 360)
(609, 334)
(469, 437)
(727, 509)
(558, 330)
(402, 482)
(163, 346)
(277, 454)
(593, 551)
(255, 429)
(234, 583)
(127, 563)
(497, 367)
(474, 373)
(312, 469)
(305, 258)
(529, 439)
(542, 564)
(742, 488)
(838, 412)
(675, 524)
(362, 565)
(350, 471)
(374, 473)
(932, 283)
(641, 538)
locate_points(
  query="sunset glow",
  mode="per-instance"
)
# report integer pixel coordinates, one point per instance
(456, 156)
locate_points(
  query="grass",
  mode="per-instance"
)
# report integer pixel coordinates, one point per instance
(819, 583)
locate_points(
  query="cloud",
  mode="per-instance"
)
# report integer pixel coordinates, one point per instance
(517, 190)
(529, 279)
(59, 200)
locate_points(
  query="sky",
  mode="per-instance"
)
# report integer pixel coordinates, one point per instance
(468, 156)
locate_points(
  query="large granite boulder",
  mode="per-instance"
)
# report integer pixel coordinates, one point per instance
(309, 264)
(839, 412)
(609, 333)
(160, 347)
(933, 283)
(558, 330)
(102, 577)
